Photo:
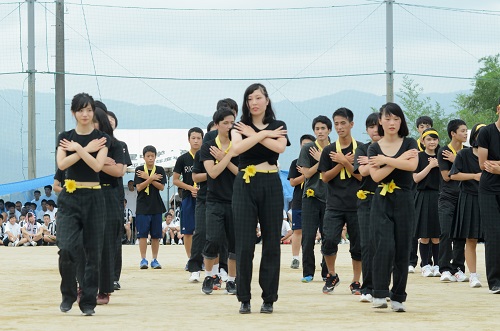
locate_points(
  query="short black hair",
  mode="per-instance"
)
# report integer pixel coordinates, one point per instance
(100, 104)
(371, 120)
(110, 113)
(1, 217)
(453, 126)
(210, 125)
(48, 186)
(46, 215)
(149, 148)
(51, 203)
(197, 130)
(80, 101)
(307, 136)
(37, 191)
(12, 216)
(222, 113)
(228, 102)
(322, 119)
(168, 214)
(424, 120)
(344, 112)
(392, 108)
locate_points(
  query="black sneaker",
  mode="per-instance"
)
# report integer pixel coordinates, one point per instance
(355, 288)
(217, 282)
(65, 307)
(330, 283)
(88, 312)
(116, 285)
(266, 308)
(231, 287)
(208, 285)
(245, 308)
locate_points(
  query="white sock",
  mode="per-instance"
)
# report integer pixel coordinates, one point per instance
(473, 274)
(215, 269)
(231, 279)
(296, 257)
(209, 273)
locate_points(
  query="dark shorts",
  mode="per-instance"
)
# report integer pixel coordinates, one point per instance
(148, 224)
(187, 215)
(296, 219)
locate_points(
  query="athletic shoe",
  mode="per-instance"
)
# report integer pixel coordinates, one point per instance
(116, 285)
(180, 242)
(161, 242)
(331, 283)
(427, 271)
(148, 241)
(88, 312)
(172, 242)
(102, 299)
(245, 308)
(435, 271)
(307, 279)
(65, 307)
(11, 244)
(16, 243)
(33, 243)
(186, 267)
(495, 290)
(460, 276)
(379, 303)
(474, 281)
(144, 264)
(217, 282)
(231, 287)
(397, 306)
(447, 277)
(223, 275)
(155, 264)
(195, 277)
(208, 285)
(26, 244)
(411, 269)
(295, 264)
(366, 298)
(266, 308)
(355, 288)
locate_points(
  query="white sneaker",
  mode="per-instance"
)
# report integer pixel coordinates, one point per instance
(26, 244)
(411, 269)
(435, 271)
(460, 276)
(11, 244)
(474, 281)
(379, 303)
(426, 271)
(447, 277)
(137, 241)
(16, 243)
(33, 243)
(366, 298)
(172, 242)
(195, 277)
(223, 275)
(181, 242)
(161, 241)
(397, 306)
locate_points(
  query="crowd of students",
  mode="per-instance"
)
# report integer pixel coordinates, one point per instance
(395, 195)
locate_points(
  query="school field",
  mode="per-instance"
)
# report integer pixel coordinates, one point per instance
(165, 300)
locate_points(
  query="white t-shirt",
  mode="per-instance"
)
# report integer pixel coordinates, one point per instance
(38, 203)
(176, 223)
(52, 213)
(131, 197)
(285, 228)
(52, 197)
(32, 228)
(15, 229)
(40, 213)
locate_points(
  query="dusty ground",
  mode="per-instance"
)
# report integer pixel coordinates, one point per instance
(165, 300)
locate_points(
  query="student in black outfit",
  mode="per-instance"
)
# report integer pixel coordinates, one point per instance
(392, 159)
(258, 140)
(109, 177)
(229, 103)
(489, 199)
(219, 216)
(81, 153)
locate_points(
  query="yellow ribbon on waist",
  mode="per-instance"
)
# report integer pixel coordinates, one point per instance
(362, 195)
(251, 170)
(388, 188)
(71, 186)
(310, 193)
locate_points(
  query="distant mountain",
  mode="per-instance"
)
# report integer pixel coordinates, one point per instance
(297, 115)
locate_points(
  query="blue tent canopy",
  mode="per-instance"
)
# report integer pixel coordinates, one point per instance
(23, 191)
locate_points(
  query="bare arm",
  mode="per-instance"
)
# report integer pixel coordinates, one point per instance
(199, 178)
(179, 183)
(464, 176)
(214, 170)
(482, 154)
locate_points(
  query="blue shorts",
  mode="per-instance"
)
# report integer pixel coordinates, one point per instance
(148, 224)
(296, 219)
(187, 215)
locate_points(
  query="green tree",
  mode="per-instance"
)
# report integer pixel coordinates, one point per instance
(480, 105)
(414, 106)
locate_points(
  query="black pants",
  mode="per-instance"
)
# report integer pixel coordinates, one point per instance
(392, 221)
(451, 251)
(313, 212)
(333, 224)
(80, 217)
(258, 201)
(196, 260)
(489, 205)
(364, 208)
(220, 230)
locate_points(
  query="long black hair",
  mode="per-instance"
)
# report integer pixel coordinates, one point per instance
(101, 118)
(82, 100)
(391, 108)
(246, 117)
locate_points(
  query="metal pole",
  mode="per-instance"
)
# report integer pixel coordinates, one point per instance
(389, 72)
(31, 91)
(59, 77)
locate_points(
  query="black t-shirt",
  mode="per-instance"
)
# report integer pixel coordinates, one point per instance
(432, 180)
(402, 178)
(152, 203)
(220, 189)
(314, 182)
(184, 167)
(489, 138)
(367, 183)
(60, 176)
(259, 153)
(450, 188)
(341, 192)
(468, 163)
(298, 189)
(199, 168)
(80, 171)
(210, 135)
(127, 161)
(115, 152)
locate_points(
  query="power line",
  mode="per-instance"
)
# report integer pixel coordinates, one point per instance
(13, 10)
(91, 53)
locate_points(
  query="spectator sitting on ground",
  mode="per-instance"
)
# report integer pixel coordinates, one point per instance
(286, 230)
(127, 221)
(175, 232)
(48, 194)
(165, 228)
(49, 230)
(12, 209)
(51, 209)
(22, 220)
(2, 227)
(19, 206)
(3, 208)
(32, 232)
(37, 200)
(42, 211)
(12, 232)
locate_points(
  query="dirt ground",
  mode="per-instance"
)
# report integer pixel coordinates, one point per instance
(165, 300)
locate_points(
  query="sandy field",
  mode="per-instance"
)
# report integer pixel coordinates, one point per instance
(165, 300)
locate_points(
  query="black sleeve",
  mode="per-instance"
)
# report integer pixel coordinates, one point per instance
(421, 162)
(360, 151)
(483, 140)
(458, 164)
(205, 152)
(373, 150)
(137, 179)
(197, 165)
(126, 155)
(443, 164)
(179, 164)
(325, 163)
(117, 153)
(161, 171)
(283, 124)
(293, 172)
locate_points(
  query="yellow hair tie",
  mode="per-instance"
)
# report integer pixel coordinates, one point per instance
(425, 134)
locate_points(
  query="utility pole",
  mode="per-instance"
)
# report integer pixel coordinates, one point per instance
(60, 78)
(389, 51)
(31, 91)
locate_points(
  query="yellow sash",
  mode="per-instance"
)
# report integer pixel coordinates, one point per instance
(321, 150)
(419, 144)
(152, 172)
(219, 145)
(453, 150)
(338, 149)
(192, 155)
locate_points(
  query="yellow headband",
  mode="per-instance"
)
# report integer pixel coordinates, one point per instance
(429, 132)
